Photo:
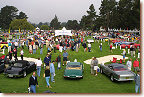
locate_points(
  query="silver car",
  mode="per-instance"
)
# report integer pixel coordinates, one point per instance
(118, 72)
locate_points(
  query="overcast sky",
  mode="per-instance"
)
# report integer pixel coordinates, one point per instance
(45, 10)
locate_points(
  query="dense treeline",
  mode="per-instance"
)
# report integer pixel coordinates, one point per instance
(124, 14)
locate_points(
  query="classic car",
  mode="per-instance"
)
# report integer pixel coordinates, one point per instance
(3, 44)
(2, 65)
(128, 45)
(90, 40)
(20, 68)
(117, 72)
(74, 70)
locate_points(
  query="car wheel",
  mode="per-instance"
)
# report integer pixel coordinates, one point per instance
(112, 78)
(24, 74)
(101, 71)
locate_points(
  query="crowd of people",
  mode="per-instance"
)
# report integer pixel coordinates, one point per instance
(64, 43)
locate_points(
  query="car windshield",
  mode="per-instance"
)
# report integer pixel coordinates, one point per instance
(17, 65)
(120, 68)
(78, 67)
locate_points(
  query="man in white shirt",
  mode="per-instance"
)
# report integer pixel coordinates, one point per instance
(38, 63)
(129, 64)
(89, 47)
(16, 44)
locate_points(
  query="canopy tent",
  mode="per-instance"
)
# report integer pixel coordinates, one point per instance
(63, 32)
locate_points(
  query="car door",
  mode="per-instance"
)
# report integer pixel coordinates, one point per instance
(109, 70)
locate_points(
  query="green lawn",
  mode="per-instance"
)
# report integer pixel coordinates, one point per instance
(89, 84)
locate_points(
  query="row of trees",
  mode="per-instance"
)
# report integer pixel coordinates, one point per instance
(124, 14)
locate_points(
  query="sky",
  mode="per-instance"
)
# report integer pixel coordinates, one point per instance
(45, 10)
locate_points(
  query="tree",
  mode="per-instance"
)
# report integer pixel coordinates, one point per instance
(44, 27)
(22, 15)
(21, 24)
(87, 21)
(7, 14)
(107, 13)
(63, 24)
(72, 24)
(55, 24)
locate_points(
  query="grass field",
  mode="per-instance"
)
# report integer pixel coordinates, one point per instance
(89, 84)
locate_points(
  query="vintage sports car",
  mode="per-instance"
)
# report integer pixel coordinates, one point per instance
(20, 68)
(4, 45)
(129, 45)
(90, 40)
(74, 70)
(117, 72)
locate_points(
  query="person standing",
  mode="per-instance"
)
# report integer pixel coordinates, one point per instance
(47, 76)
(39, 64)
(85, 47)
(100, 47)
(89, 47)
(34, 48)
(92, 66)
(136, 65)
(16, 44)
(77, 47)
(124, 54)
(131, 50)
(30, 49)
(21, 53)
(33, 82)
(129, 64)
(65, 57)
(10, 55)
(95, 64)
(54, 46)
(47, 60)
(137, 82)
(52, 71)
(111, 47)
(15, 54)
(9, 46)
(138, 53)
(41, 48)
(59, 62)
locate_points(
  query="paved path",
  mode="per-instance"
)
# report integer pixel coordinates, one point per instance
(106, 59)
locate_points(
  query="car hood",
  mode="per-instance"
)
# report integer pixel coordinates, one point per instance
(123, 73)
(73, 72)
(13, 70)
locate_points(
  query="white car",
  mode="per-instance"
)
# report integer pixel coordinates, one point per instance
(90, 40)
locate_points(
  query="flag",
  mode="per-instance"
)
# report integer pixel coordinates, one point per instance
(9, 30)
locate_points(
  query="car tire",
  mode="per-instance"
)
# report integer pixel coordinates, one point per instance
(101, 71)
(112, 78)
(24, 74)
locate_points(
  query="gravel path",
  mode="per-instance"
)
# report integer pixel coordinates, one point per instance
(106, 59)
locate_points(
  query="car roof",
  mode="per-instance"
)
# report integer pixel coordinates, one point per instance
(21, 61)
(74, 63)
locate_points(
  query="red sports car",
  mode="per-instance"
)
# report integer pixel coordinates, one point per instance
(129, 45)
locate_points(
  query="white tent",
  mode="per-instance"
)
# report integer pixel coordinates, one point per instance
(63, 32)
